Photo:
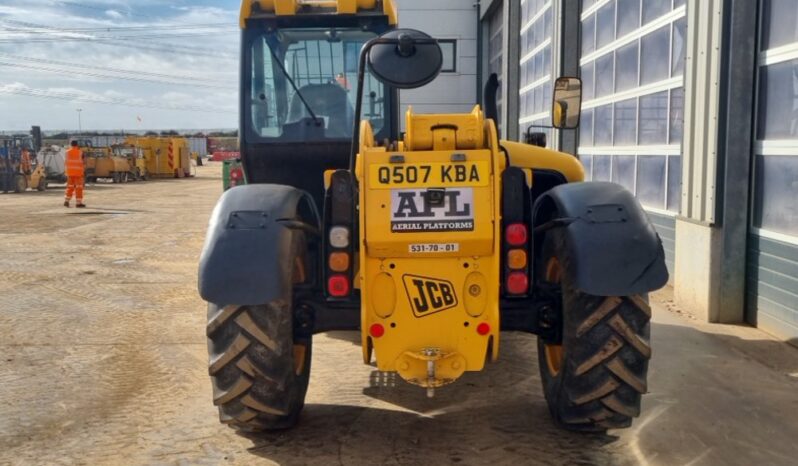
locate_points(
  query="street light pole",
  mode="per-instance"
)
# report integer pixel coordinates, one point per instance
(80, 126)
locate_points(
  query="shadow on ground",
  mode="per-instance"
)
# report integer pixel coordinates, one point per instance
(713, 399)
(496, 416)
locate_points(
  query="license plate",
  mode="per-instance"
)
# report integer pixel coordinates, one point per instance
(422, 248)
(439, 175)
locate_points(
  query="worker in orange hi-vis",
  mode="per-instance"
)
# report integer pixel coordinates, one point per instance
(25, 164)
(74, 173)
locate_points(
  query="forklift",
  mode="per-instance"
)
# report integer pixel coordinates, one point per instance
(19, 167)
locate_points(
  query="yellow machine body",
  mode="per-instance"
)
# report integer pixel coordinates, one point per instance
(134, 157)
(101, 163)
(432, 287)
(164, 157)
(255, 8)
(431, 290)
(38, 178)
(105, 166)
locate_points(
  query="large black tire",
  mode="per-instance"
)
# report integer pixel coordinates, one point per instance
(260, 372)
(594, 379)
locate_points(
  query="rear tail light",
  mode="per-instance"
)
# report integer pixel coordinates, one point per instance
(377, 330)
(339, 237)
(338, 286)
(516, 234)
(517, 283)
(339, 262)
(516, 259)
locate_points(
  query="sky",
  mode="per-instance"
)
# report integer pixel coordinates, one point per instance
(126, 64)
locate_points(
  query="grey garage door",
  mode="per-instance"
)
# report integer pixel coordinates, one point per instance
(772, 292)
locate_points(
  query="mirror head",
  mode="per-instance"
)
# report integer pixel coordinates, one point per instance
(567, 103)
(412, 59)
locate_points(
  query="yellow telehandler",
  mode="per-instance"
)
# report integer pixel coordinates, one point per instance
(430, 243)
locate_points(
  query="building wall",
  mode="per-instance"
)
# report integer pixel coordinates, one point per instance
(772, 300)
(632, 68)
(700, 122)
(536, 66)
(455, 23)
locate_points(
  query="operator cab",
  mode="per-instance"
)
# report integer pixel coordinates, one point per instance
(299, 76)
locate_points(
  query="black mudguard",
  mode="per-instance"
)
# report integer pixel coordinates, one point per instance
(246, 258)
(615, 250)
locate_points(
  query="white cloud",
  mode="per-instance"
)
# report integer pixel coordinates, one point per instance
(192, 56)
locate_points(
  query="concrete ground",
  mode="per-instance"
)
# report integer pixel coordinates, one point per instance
(103, 361)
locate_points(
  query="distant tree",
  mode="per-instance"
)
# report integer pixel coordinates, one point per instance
(150, 133)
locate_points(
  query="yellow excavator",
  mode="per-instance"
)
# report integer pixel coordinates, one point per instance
(431, 243)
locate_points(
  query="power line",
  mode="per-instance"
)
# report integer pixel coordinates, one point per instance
(30, 92)
(162, 48)
(152, 27)
(95, 8)
(156, 47)
(99, 37)
(137, 73)
(62, 71)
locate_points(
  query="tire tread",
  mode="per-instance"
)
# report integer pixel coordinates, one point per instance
(605, 359)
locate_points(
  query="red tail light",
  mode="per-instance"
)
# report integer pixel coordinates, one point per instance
(517, 283)
(377, 330)
(516, 234)
(338, 286)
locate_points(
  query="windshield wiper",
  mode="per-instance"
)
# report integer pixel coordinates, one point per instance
(316, 119)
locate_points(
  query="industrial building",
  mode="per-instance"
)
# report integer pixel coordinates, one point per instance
(692, 105)
(455, 89)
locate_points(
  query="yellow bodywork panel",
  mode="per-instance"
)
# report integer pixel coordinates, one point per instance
(469, 132)
(294, 7)
(534, 157)
(430, 252)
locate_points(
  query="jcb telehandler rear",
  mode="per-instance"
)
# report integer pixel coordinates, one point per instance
(431, 243)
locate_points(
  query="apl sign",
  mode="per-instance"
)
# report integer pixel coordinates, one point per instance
(416, 210)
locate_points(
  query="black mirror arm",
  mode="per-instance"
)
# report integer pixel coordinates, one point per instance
(401, 43)
(361, 77)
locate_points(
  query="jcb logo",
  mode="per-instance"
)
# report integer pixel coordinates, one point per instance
(428, 295)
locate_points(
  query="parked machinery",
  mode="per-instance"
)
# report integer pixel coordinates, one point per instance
(19, 168)
(101, 163)
(165, 157)
(135, 159)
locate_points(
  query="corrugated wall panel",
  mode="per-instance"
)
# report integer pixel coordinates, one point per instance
(666, 227)
(772, 287)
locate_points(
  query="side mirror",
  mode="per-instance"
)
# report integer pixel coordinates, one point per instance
(405, 59)
(567, 103)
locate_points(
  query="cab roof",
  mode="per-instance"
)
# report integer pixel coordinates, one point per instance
(251, 9)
